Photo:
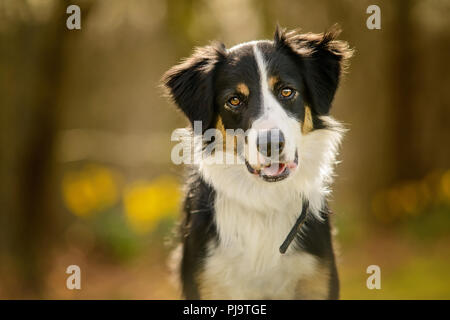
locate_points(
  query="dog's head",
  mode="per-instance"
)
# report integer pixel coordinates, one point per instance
(278, 91)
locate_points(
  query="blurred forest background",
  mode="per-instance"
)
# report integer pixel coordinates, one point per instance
(85, 171)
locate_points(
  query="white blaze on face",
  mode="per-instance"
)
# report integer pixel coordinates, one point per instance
(273, 115)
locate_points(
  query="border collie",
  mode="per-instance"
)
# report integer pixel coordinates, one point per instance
(240, 218)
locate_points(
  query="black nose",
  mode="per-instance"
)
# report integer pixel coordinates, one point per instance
(270, 140)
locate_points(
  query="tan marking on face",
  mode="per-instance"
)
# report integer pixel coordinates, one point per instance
(308, 122)
(243, 89)
(272, 82)
(221, 128)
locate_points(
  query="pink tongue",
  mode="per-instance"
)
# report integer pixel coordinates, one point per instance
(274, 169)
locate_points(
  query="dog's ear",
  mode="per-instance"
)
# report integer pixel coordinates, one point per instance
(190, 83)
(322, 59)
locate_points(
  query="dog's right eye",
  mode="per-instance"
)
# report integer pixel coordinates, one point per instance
(234, 102)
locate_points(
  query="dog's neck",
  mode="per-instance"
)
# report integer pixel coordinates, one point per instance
(310, 181)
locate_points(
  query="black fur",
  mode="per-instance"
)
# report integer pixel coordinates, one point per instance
(315, 238)
(191, 84)
(322, 60)
(197, 229)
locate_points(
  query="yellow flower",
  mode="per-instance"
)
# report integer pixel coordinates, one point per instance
(92, 189)
(146, 203)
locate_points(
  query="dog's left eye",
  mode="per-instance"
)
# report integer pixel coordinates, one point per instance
(234, 102)
(287, 93)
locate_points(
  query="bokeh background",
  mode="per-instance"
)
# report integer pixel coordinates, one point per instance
(85, 170)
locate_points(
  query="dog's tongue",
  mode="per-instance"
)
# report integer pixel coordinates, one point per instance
(273, 170)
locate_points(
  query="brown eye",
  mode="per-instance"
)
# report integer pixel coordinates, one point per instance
(234, 102)
(287, 92)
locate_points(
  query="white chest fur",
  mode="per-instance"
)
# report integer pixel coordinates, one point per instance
(247, 263)
(254, 217)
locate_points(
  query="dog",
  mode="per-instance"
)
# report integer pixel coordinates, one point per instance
(236, 216)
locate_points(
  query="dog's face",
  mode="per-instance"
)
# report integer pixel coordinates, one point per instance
(260, 90)
(277, 91)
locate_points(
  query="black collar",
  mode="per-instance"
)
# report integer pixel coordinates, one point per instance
(290, 237)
